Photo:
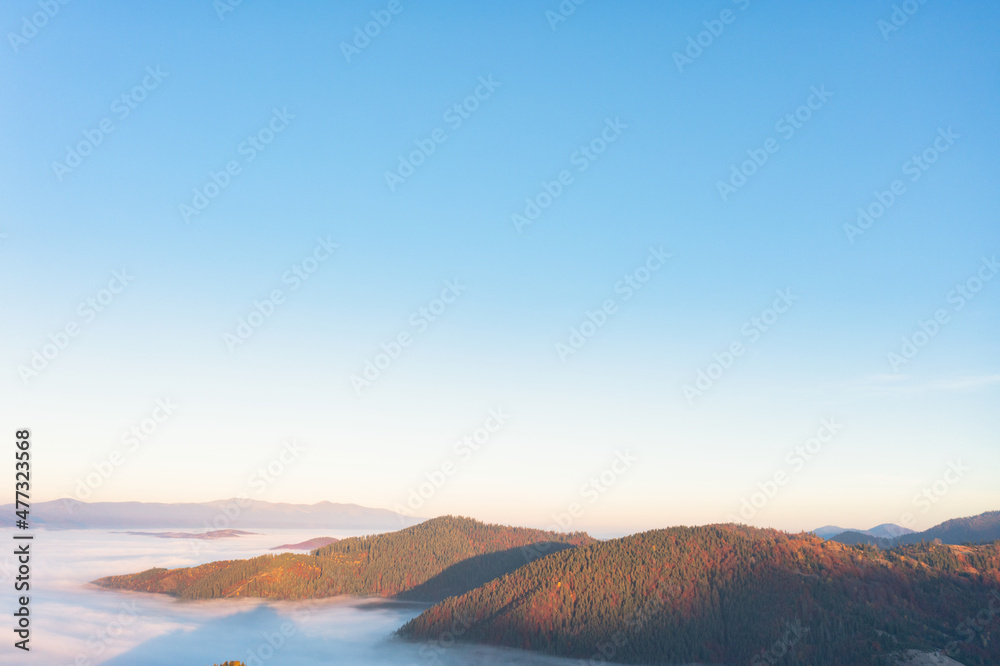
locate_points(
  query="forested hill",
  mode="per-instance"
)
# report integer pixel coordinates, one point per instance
(738, 595)
(427, 562)
(983, 528)
(445, 556)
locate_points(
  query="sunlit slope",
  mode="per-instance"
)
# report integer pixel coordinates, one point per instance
(429, 561)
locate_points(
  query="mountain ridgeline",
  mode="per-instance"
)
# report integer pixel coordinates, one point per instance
(984, 528)
(427, 562)
(739, 595)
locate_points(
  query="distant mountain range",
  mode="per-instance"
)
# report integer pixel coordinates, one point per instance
(984, 528)
(217, 515)
(883, 531)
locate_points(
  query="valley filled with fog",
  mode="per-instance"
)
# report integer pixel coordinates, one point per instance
(77, 624)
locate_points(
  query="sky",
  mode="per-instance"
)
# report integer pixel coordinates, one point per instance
(585, 266)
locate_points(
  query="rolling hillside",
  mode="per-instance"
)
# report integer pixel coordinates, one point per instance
(736, 595)
(426, 562)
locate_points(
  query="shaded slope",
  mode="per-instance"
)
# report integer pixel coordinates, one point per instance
(731, 594)
(984, 528)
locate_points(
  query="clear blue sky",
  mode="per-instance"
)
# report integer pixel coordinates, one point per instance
(669, 131)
